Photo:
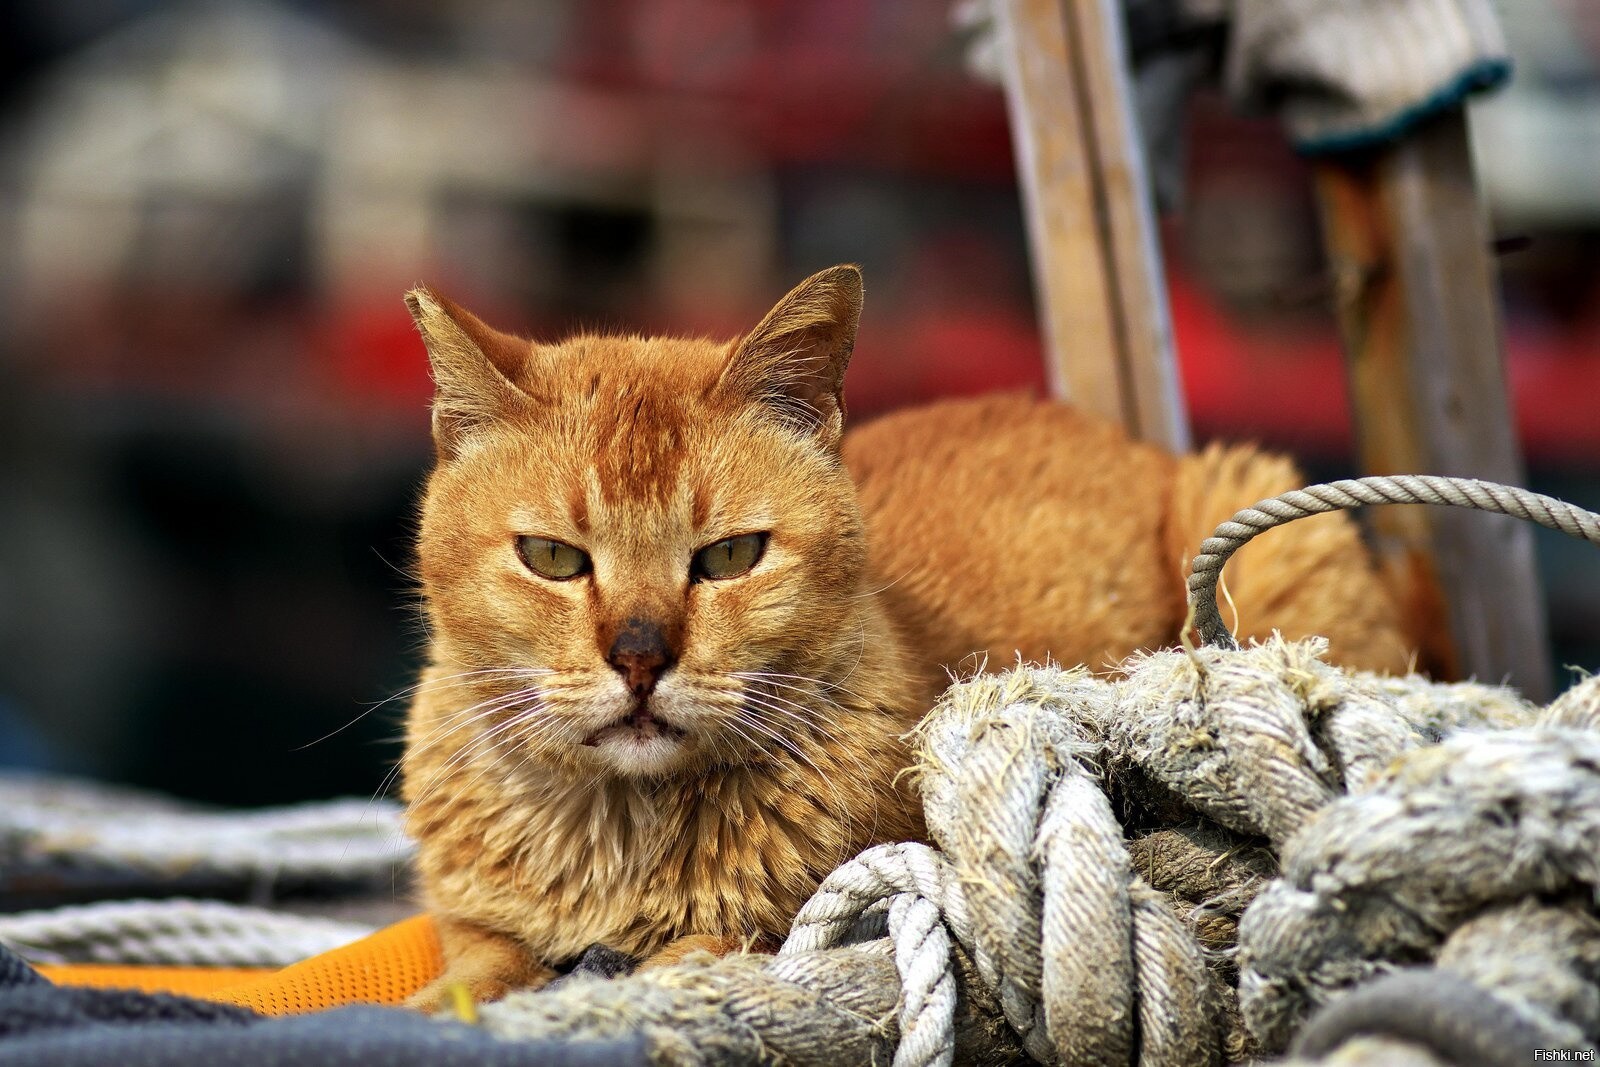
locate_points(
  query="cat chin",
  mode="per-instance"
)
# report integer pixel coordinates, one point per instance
(630, 754)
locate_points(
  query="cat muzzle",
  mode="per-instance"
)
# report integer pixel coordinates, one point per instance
(642, 724)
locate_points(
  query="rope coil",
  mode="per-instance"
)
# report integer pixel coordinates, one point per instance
(1099, 843)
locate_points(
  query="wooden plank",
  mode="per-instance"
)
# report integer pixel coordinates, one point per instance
(1126, 214)
(1409, 248)
(1069, 276)
(1096, 263)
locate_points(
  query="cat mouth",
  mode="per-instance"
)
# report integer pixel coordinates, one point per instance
(640, 724)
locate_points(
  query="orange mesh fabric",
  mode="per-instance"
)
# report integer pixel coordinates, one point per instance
(189, 981)
(385, 968)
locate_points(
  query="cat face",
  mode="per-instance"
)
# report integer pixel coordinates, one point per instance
(656, 536)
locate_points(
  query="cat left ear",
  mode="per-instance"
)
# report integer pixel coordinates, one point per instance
(472, 364)
(795, 360)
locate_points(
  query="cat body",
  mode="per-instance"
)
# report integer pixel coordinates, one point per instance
(681, 622)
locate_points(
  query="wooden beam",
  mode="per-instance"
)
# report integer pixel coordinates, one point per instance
(1417, 304)
(1091, 226)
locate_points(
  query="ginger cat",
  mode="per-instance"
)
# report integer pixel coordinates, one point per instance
(681, 621)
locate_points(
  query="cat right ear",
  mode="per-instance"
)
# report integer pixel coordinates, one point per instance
(471, 366)
(794, 361)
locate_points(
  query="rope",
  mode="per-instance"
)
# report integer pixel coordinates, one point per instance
(56, 824)
(1449, 834)
(1455, 1019)
(1352, 493)
(172, 932)
(1106, 886)
(920, 891)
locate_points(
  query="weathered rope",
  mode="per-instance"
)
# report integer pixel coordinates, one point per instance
(1452, 1018)
(1106, 886)
(1099, 844)
(48, 823)
(1448, 835)
(1358, 492)
(805, 1009)
(194, 933)
(924, 899)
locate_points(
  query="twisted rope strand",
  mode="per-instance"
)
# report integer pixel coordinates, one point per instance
(190, 933)
(1348, 493)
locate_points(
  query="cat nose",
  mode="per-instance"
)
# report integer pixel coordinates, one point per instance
(640, 654)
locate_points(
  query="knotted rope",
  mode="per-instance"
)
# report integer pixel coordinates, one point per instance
(1104, 845)
(1098, 843)
(1105, 887)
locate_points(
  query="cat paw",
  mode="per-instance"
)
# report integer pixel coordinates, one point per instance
(713, 944)
(450, 994)
(481, 966)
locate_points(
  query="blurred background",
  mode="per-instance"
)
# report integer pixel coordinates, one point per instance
(213, 407)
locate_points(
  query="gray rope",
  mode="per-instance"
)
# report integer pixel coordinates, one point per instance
(188, 933)
(1448, 834)
(1036, 927)
(61, 823)
(925, 902)
(1358, 492)
(1461, 1022)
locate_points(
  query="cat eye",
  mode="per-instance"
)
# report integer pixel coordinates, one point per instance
(552, 559)
(728, 559)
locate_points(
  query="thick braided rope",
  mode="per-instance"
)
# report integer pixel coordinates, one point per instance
(1446, 856)
(188, 933)
(1359, 492)
(1089, 964)
(806, 1009)
(1019, 772)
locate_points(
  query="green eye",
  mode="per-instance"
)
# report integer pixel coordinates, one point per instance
(552, 559)
(730, 558)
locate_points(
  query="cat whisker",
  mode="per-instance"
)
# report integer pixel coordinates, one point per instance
(470, 714)
(469, 750)
(820, 685)
(751, 716)
(486, 742)
(411, 689)
(861, 650)
(529, 718)
(778, 706)
(800, 711)
(829, 782)
(881, 588)
(769, 688)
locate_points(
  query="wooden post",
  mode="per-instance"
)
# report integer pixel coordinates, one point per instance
(1418, 308)
(1096, 262)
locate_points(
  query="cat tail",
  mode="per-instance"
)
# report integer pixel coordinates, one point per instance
(1311, 576)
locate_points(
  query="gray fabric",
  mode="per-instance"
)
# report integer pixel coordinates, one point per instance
(1342, 74)
(43, 1025)
(1348, 73)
